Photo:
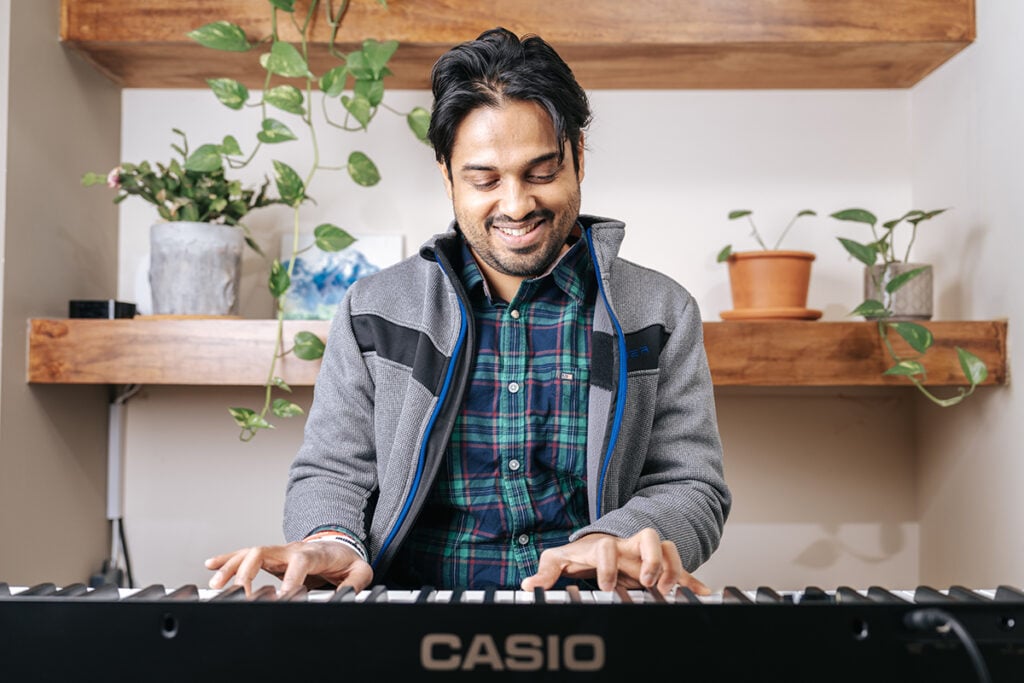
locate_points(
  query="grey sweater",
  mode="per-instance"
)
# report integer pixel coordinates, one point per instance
(398, 359)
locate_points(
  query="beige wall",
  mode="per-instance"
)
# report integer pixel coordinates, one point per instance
(969, 154)
(60, 243)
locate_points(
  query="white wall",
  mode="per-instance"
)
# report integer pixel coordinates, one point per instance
(968, 152)
(833, 504)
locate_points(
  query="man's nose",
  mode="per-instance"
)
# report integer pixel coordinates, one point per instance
(517, 200)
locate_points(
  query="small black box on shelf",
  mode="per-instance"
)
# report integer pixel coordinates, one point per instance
(100, 308)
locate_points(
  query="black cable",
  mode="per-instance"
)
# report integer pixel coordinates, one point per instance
(124, 549)
(940, 621)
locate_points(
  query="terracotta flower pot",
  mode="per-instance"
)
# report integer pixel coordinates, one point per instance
(770, 285)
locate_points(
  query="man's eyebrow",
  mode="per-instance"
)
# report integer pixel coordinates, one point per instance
(532, 162)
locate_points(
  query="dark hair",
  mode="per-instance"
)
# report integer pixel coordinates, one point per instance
(497, 67)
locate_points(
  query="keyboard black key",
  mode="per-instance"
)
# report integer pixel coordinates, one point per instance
(879, 594)
(155, 591)
(40, 589)
(622, 596)
(1008, 594)
(813, 594)
(343, 594)
(378, 593)
(847, 595)
(297, 594)
(187, 592)
(5, 590)
(232, 594)
(734, 596)
(964, 594)
(72, 590)
(538, 596)
(107, 591)
(926, 595)
(686, 594)
(574, 594)
(426, 594)
(264, 594)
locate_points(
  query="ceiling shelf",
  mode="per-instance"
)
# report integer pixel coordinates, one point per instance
(648, 44)
(208, 351)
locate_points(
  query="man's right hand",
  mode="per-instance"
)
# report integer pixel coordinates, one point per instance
(296, 564)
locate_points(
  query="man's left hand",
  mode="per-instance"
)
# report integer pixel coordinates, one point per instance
(640, 561)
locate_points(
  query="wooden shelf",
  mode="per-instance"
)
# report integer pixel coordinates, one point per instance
(648, 44)
(236, 352)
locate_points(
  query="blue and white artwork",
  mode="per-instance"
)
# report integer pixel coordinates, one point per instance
(321, 278)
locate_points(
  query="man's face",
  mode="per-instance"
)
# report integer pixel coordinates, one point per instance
(514, 200)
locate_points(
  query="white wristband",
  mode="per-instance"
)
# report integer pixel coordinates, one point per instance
(350, 542)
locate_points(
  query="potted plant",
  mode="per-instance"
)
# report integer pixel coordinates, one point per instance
(348, 95)
(897, 292)
(196, 247)
(768, 283)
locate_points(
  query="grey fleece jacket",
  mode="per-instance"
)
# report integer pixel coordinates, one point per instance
(398, 359)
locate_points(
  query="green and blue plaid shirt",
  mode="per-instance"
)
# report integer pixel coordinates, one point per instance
(513, 481)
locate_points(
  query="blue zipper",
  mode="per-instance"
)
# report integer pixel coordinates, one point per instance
(620, 399)
(430, 427)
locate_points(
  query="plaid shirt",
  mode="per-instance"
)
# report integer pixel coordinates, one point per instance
(513, 481)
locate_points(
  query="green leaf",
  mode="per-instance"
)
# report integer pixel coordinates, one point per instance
(331, 237)
(285, 60)
(284, 5)
(974, 368)
(733, 215)
(332, 83)
(254, 245)
(285, 408)
(230, 92)
(229, 147)
(279, 282)
(926, 215)
(362, 169)
(806, 212)
(919, 337)
(856, 215)
(274, 131)
(357, 65)
(419, 121)
(724, 255)
(286, 98)
(289, 184)
(377, 54)
(308, 346)
(372, 91)
(906, 368)
(221, 35)
(903, 278)
(866, 254)
(249, 419)
(281, 384)
(206, 159)
(871, 309)
(359, 107)
(90, 179)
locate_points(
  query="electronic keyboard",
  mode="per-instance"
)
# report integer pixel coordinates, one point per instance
(78, 633)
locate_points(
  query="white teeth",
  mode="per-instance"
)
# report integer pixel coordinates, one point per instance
(518, 232)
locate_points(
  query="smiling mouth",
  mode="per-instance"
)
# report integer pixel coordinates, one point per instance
(518, 231)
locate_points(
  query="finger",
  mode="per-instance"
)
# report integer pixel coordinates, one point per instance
(674, 574)
(296, 572)
(227, 567)
(249, 568)
(651, 556)
(360, 576)
(606, 554)
(548, 570)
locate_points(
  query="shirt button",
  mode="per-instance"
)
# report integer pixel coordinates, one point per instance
(513, 465)
(513, 387)
(514, 313)
(523, 539)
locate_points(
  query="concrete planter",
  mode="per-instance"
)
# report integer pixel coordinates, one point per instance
(195, 268)
(912, 301)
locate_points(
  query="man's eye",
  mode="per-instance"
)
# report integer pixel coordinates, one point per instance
(542, 178)
(483, 184)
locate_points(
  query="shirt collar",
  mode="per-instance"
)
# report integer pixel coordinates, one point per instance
(573, 272)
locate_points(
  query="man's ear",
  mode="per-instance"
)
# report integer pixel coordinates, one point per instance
(442, 166)
(579, 157)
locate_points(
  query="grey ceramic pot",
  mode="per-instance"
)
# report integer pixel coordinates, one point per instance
(195, 268)
(912, 301)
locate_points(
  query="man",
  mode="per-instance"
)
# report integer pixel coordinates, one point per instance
(515, 406)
